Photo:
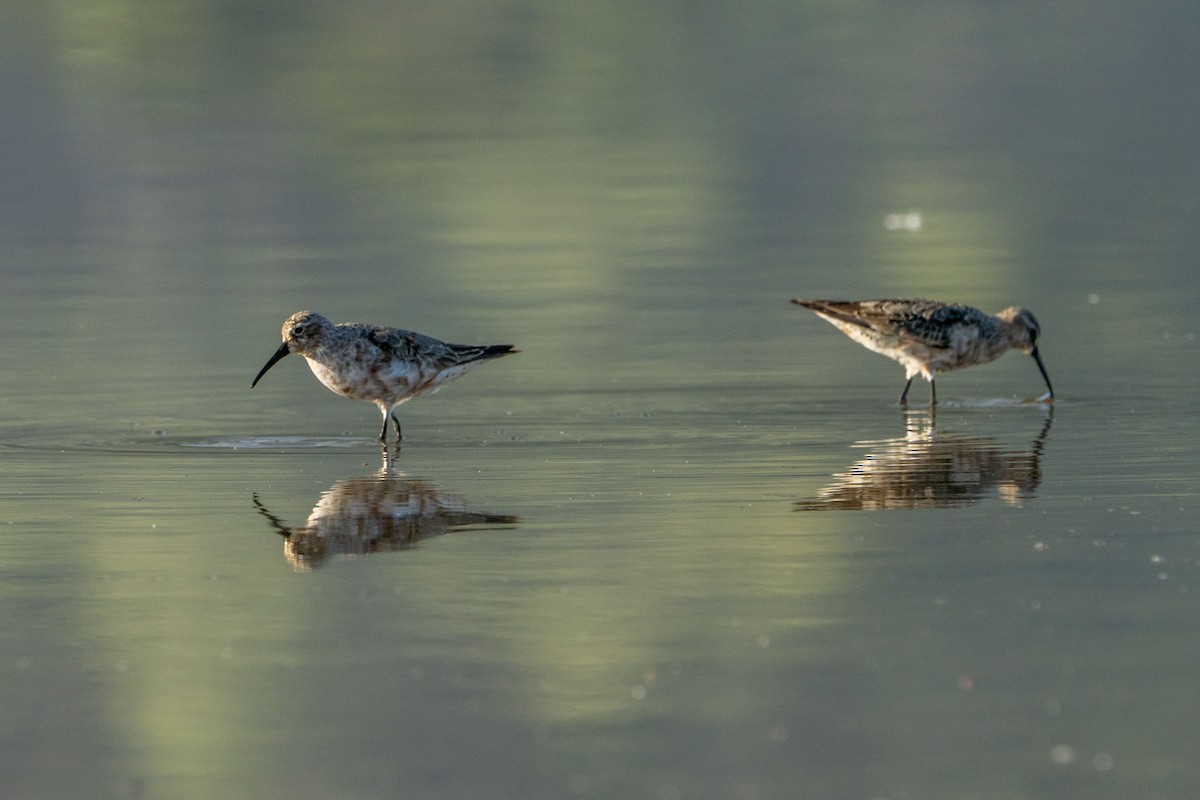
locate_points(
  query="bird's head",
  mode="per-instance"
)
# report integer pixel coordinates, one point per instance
(303, 332)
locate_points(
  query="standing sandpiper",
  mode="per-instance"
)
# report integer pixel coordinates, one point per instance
(386, 366)
(927, 337)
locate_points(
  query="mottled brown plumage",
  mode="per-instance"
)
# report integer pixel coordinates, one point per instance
(386, 366)
(928, 337)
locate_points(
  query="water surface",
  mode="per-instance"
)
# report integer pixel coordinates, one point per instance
(685, 544)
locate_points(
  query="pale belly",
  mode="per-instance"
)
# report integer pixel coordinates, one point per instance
(966, 349)
(391, 385)
(359, 383)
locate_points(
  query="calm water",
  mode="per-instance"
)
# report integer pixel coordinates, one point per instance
(685, 545)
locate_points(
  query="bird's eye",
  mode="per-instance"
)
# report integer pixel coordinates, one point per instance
(298, 330)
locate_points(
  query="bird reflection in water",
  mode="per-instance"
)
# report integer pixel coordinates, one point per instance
(928, 469)
(375, 514)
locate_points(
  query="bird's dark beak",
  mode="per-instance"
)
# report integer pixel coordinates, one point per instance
(1034, 353)
(283, 351)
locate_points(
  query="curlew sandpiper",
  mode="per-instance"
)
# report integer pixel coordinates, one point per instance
(386, 366)
(928, 337)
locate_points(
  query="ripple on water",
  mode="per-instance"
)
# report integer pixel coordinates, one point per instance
(277, 442)
(162, 443)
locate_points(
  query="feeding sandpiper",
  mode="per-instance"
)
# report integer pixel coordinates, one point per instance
(386, 366)
(927, 337)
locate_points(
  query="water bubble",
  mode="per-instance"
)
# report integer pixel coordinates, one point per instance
(1062, 754)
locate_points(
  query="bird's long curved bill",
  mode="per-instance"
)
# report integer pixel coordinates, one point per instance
(1034, 353)
(283, 351)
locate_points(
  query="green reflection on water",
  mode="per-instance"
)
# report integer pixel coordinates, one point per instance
(631, 195)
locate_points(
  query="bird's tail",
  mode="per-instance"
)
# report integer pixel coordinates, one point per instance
(495, 351)
(836, 311)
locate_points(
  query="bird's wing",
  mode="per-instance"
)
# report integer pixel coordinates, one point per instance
(924, 321)
(413, 346)
(401, 344)
(935, 324)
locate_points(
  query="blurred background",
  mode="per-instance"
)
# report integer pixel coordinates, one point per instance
(630, 193)
(559, 173)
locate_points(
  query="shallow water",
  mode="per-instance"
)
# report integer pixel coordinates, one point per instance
(685, 544)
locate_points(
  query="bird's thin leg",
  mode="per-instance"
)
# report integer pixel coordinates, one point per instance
(383, 433)
(396, 422)
(932, 393)
(904, 394)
